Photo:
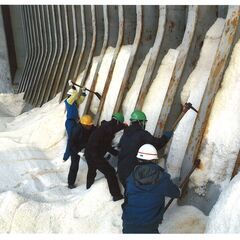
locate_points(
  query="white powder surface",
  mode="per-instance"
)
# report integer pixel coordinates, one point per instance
(130, 100)
(185, 219)
(116, 82)
(221, 141)
(154, 100)
(102, 77)
(225, 215)
(193, 92)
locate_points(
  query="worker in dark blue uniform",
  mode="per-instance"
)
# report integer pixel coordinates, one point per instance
(132, 139)
(72, 102)
(145, 192)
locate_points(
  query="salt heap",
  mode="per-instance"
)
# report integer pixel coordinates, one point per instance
(116, 82)
(221, 141)
(154, 100)
(193, 92)
(102, 77)
(130, 100)
(225, 215)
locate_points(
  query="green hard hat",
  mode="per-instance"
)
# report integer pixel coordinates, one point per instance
(118, 116)
(138, 116)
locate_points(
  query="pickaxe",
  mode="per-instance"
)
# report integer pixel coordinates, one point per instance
(71, 83)
(186, 107)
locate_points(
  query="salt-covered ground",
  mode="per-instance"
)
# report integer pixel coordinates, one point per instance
(34, 196)
(225, 215)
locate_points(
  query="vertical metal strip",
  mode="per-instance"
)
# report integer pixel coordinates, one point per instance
(34, 33)
(35, 74)
(38, 38)
(83, 44)
(27, 46)
(116, 51)
(32, 47)
(43, 64)
(178, 69)
(104, 47)
(87, 68)
(153, 57)
(229, 31)
(65, 49)
(72, 51)
(49, 61)
(131, 59)
(58, 43)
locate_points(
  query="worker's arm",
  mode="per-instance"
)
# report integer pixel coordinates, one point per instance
(170, 189)
(77, 96)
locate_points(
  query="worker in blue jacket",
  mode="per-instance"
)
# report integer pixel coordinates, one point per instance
(145, 192)
(72, 102)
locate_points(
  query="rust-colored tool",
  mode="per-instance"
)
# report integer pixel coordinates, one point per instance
(186, 107)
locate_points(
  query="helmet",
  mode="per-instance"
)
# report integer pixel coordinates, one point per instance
(86, 120)
(147, 152)
(118, 116)
(138, 116)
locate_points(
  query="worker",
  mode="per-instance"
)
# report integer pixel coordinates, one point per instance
(72, 102)
(145, 192)
(99, 143)
(78, 141)
(133, 137)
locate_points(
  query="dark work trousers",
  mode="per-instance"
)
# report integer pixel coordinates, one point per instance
(72, 175)
(132, 228)
(109, 172)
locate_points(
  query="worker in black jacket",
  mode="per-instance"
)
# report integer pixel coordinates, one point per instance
(132, 139)
(100, 142)
(78, 140)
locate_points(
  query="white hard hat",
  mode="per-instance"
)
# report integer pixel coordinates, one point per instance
(147, 152)
(70, 91)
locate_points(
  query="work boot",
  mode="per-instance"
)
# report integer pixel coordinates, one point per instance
(118, 197)
(71, 186)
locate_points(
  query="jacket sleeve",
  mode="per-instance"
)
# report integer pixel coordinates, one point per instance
(156, 142)
(171, 190)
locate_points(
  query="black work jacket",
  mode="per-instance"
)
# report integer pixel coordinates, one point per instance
(132, 139)
(100, 142)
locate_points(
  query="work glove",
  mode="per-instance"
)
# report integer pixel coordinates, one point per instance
(168, 134)
(84, 94)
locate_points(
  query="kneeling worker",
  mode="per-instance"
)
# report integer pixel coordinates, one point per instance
(145, 192)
